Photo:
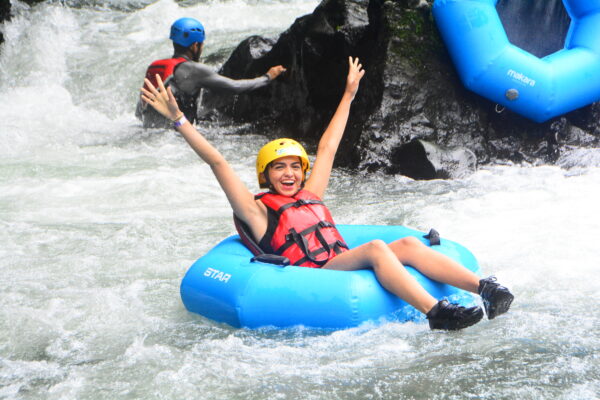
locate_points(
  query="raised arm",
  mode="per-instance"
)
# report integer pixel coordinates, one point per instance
(240, 198)
(330, 141)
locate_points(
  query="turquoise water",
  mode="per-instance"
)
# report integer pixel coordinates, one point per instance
(100, 220)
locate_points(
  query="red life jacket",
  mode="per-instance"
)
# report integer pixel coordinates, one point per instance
(301, 228)
(164, 68)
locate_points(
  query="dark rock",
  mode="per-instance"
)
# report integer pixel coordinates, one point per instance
(422, 160)
(4, 10)
(411, 115)
(417, 91)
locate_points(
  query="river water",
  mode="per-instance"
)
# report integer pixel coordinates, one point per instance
(100, 220)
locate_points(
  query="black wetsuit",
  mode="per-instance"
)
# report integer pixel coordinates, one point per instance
(187, 82)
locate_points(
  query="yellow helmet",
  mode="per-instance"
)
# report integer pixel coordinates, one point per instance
(276, 149)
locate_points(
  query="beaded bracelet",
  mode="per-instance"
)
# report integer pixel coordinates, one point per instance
(179, 121)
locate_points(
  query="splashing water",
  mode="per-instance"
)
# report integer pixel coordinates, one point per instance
(100, 220)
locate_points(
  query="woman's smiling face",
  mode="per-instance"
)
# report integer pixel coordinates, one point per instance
(285, 175)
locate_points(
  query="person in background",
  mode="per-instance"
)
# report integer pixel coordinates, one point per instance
(291, 219)
(186, 76)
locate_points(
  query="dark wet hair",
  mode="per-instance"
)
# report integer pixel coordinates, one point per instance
(179, 49)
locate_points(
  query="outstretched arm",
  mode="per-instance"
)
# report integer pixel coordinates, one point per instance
(191, 76)
(241, 199)
(330, 141)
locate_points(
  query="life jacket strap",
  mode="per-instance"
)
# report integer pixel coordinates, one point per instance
(297, 203)
(295, 238)
(337, 249)
(299, 239)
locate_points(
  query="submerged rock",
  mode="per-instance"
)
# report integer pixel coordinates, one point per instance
(420, 159)
(411, 115)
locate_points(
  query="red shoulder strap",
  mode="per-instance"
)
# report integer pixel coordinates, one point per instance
(246, 236)
(274, 201)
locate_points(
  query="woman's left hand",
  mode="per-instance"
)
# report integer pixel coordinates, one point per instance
(161, 99)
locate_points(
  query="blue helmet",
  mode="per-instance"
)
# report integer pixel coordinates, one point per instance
(187, 31)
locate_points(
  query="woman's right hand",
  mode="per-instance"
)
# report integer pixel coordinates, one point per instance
(161, 99)
(355, 74)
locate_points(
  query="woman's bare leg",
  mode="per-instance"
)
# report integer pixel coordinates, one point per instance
(393, 276)
(496, 298)
(437, 266)
(389, 272)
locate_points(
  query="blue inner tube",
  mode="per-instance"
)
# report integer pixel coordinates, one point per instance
(225, 286)
(537, 88)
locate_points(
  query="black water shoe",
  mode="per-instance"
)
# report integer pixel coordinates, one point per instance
(496, 298)
(453, 317)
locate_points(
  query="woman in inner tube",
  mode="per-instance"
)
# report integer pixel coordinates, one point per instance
(291, 220)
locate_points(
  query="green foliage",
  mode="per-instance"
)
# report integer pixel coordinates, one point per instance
(414, 36)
